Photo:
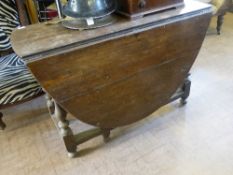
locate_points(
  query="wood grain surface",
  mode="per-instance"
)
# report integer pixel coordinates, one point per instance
(118, 82)
(41, 40)
(115, 75)
(132, 7)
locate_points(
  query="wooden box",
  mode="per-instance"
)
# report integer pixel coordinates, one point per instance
(139, 8)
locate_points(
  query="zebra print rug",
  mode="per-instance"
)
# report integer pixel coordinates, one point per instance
(16, 82)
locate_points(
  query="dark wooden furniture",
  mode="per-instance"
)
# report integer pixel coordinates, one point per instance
(116, 75)
(139, 8)
(222, 10)
(23, 14)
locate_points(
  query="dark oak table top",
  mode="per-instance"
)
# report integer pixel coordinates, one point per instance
(119, 74)
(40, 40)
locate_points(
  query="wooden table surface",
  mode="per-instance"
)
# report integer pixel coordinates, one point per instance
(115, 75)
(41, 40)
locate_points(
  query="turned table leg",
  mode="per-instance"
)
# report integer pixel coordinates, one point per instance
(2, 124)
(50, 104)
(106, 134)
(71, 141)
(65, 131)
(182, 92)
(219, 23)
(186, 91)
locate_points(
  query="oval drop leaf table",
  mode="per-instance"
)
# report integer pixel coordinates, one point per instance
(115, 75)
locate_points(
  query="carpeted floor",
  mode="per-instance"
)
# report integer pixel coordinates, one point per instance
(193, 140)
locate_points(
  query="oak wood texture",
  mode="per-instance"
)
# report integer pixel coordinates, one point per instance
(40, 40)
(120, 77)
(136, 8)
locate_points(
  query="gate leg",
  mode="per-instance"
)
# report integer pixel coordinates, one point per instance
(186, 91)
(65, 131)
